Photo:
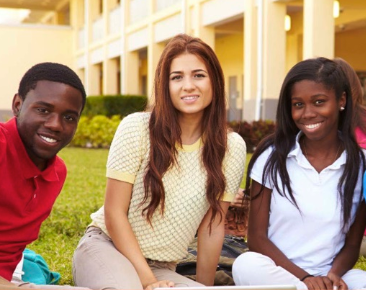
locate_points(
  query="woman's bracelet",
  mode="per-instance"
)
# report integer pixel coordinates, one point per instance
(306, 276)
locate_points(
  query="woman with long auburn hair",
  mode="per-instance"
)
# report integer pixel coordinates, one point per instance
(171, 173)
(307, 212)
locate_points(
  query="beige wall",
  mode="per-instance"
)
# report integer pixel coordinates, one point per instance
(22, 47)
(142, 41)
(130, 50)
(351, 46)
(294, 41)
(230, 52)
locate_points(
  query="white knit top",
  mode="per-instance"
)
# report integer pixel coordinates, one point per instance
(185, 188)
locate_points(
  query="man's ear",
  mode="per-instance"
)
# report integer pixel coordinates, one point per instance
(17, 105)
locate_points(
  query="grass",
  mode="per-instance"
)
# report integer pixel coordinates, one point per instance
(242, 185)
(83, 193)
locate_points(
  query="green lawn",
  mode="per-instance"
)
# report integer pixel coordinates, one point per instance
(82, 194)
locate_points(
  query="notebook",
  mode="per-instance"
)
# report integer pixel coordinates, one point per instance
(252, 287)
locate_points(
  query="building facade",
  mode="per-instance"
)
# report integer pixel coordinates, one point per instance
(114, 45)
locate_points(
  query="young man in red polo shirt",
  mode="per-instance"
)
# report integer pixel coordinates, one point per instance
(46, 112)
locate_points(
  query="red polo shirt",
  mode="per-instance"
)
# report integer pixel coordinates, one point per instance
(26, 196)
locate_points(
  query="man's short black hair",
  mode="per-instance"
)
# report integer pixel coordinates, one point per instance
(50, 71)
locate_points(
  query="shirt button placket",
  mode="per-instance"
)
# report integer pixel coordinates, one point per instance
(36, 186)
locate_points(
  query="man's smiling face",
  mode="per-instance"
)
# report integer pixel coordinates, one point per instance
(47, 119)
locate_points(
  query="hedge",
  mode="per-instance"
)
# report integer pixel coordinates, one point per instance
(253, 132)
(98, 131)
(111, 105)
(95, 132)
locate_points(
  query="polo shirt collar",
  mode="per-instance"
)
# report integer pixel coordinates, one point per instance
(296, 153)
(28, 168)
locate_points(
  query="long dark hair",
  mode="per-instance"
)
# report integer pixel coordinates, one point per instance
(165, 131)
(330, 74)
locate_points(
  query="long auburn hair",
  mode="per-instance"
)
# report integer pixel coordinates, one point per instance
(165, 131)
(331, 75)
(359, 114)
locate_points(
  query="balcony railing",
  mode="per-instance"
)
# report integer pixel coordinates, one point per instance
(97, 29)
(162, 4)
(115, 20)
(138, 10)
(81, 38)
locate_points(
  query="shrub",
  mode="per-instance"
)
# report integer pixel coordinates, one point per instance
(98, 131)
(95, 132)
(109, 106)
(253, 132)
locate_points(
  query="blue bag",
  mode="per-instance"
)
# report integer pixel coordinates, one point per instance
(36, 270)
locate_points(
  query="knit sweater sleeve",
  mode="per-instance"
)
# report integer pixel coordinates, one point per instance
(125, 155)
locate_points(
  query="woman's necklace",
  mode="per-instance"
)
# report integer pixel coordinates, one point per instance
(306, 154)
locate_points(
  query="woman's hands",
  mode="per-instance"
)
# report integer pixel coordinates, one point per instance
(337, 282)
(239, 196)
(116, 205)
(329, 282)
(158, 284)
(240, 199)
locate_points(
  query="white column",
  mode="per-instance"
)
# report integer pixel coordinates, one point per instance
(125, 8)
(87, 24)
(318, 29)
(250, 61)
(185, 16)
(207, 34)
(274, 56)
(108, 82)
(151, 57)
